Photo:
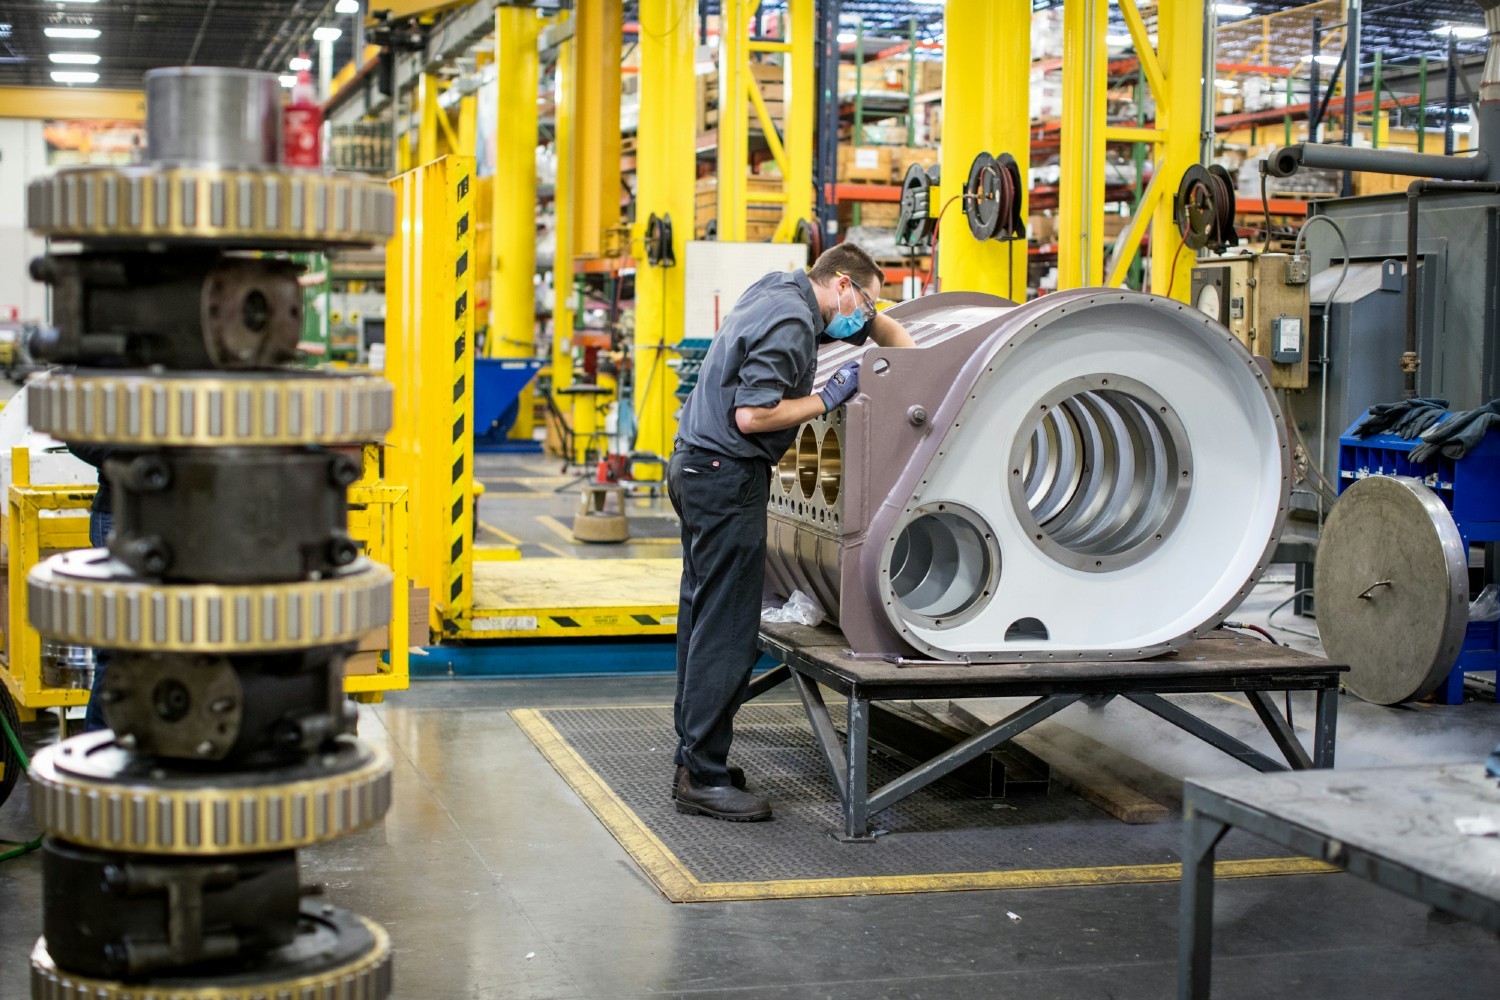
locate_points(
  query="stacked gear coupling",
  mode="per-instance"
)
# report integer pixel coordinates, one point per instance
(230, 592)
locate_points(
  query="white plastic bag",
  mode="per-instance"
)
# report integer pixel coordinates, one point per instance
(798, 608)
(1486, 607)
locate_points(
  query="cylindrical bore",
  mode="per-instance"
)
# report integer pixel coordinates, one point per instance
(211, 114)
(831, 466)
(807, 462)
(786, 470)
(1102, 473)
(944, 564)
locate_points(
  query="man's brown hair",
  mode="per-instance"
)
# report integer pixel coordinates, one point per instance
(850, 259)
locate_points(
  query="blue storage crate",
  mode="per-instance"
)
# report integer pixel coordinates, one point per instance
(1470, 489)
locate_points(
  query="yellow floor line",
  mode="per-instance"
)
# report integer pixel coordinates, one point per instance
(555, 526)
(680, 886)
(556, 551)
(504, 536)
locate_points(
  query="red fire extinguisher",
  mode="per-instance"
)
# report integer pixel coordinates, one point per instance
(302, 123)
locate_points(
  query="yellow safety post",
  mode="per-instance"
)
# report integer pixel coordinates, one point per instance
(665, 166)
(596, 211)
(740, 96)
(466, 136)
(1080, 206)
(986, 93)
(430, 360)
(513, 199)
(1180, 119)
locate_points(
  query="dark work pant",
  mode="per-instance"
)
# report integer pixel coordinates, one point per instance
(100, 525)
(722, 504)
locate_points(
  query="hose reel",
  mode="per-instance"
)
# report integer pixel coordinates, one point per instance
(1204, 208)
(659, 252)
(992, 198)
(915, 225)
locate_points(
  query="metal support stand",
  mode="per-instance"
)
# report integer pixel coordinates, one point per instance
(814, 657)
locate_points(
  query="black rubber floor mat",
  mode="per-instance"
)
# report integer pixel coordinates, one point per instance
(619, 760)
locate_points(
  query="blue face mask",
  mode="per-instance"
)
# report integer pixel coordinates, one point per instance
(843, 327)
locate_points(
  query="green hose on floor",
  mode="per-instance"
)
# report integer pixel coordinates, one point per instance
(15, 744)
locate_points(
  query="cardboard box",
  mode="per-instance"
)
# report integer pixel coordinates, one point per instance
(376, 639)
(903, 158)
(871, 213)
(420, 613)
(706, 204)
(1114, 225)
(865, 163)
(362, 664)
(1042, 228)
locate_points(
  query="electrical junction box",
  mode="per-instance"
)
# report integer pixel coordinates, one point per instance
(1286, 340)
(1262, 302)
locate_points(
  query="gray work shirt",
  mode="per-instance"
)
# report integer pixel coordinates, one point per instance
(766, 351)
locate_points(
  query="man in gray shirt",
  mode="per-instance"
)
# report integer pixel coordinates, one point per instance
(754, 390)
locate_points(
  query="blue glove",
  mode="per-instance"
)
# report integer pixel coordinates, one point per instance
(843, 384)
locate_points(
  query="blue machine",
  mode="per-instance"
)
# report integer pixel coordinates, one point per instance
(497, 389)
(1470, 489)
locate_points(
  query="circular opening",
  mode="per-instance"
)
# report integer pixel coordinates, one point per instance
(786, 470)
(942, 565)
(1103, 472)
(830, 466)
(807, 461)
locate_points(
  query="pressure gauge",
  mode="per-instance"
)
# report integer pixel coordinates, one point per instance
(1209, 302)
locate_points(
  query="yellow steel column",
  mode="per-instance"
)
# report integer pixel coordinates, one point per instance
(665, 169)
(800, 109)
(986, 93)
(427, 122)
(1081, 242)
(734, 123)
(581, 414)
(599, 30)
(1179, 117)
(513, 198)
(466, 137)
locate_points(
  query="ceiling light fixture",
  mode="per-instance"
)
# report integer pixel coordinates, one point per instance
(327, 34)
(288, 80)
(299, 63)
(1232, 9)
(1460, 30)
(74, 75)
(74, 58)
(55, 31)
(346, 7)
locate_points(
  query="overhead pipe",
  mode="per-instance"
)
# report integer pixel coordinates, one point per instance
(1288, 160)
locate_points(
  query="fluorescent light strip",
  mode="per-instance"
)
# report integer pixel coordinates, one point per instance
(74, 75)
(288, 80)
(298, 64)
(74, 58)
(327, 34)
(55, 31)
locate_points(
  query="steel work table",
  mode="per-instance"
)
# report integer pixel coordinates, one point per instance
(1222, 661)
(1393, 826)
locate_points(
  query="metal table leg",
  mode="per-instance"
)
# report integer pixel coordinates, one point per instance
(1200, 837)
(1325, 733)
(824, 734)
(1281, 731)
(857, 763)
(772, 678)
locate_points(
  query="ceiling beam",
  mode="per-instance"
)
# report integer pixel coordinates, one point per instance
(72, 102)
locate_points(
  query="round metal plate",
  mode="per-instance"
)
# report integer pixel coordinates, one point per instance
(279, 209)
(337, 955)
(89, 791)
(1392, 586)
(139, 409)
(85, 597)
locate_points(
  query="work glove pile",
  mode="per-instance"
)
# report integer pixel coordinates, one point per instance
(1406, 419)
(1457, 436)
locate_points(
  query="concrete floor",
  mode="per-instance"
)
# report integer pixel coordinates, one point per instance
(495, 881)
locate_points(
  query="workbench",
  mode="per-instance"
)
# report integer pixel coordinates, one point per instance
(1392, 826)
(1221, 662)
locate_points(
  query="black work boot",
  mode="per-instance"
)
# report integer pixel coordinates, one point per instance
(736, 777)
(719, 801)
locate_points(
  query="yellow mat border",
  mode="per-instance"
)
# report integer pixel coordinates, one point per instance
(679, 885)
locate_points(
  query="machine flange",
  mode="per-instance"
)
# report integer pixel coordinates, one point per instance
(143, 410)
(337, 956)
(86, 597)
(1392, 589)
(228, 206)
(90, 791)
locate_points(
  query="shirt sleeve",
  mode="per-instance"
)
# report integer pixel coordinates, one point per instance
(773, 365)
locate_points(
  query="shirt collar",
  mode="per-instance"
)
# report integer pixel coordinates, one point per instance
(804, 285)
